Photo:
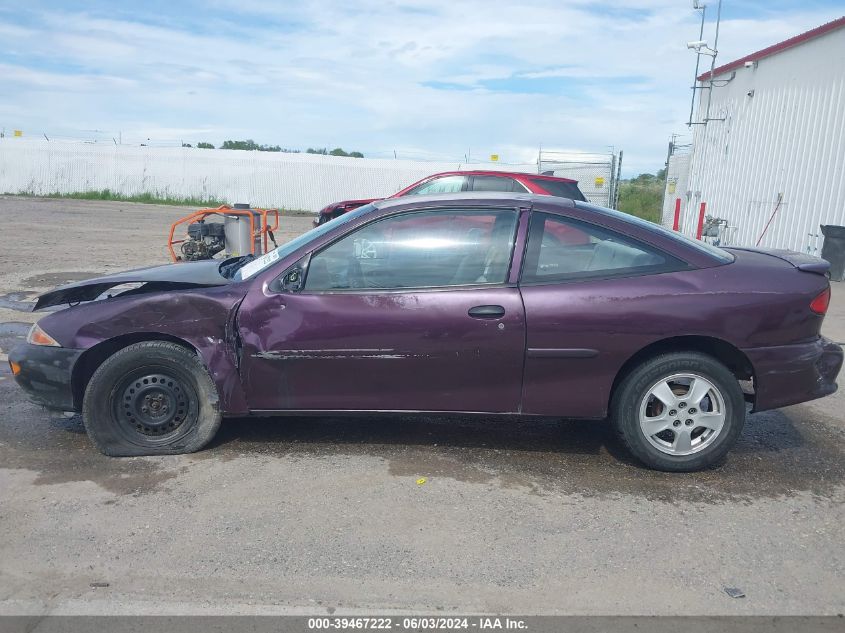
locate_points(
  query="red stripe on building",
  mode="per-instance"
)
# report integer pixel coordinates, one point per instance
(776, 48)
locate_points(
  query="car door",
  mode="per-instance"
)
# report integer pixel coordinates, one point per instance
(410, 312)
(585, 289)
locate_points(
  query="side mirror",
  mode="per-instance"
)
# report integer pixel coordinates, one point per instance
(293, 279)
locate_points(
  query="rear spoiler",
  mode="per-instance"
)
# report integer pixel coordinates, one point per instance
(801, 261)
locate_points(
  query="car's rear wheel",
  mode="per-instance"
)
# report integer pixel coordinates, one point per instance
(679, 412)
(151, 398)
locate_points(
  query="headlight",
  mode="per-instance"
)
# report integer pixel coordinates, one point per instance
(37, 336)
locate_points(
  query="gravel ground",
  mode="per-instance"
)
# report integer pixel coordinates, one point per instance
(325, 515)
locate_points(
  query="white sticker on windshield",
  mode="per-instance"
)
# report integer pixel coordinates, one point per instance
(258, 264)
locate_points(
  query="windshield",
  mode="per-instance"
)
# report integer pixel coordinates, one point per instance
(265, 261)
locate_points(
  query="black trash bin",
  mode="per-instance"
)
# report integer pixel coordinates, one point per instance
(833, 249)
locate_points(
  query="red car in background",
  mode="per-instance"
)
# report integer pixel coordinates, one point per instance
(480, 180)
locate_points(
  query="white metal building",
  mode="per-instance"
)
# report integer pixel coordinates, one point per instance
(772, 149)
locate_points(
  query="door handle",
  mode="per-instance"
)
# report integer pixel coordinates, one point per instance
(486, 312)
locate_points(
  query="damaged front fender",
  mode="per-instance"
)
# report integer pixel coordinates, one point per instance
(204, 318)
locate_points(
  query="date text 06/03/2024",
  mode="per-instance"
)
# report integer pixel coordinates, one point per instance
(417, 623)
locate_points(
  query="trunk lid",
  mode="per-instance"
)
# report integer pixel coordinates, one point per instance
(801, 261)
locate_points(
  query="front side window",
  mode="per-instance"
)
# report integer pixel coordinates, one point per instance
(561, 249)
(446, 184)
(424, 249)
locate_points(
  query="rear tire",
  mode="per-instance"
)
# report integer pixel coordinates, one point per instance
(679, 412)
(151, 398)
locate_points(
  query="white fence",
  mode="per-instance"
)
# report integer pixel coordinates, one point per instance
(292, 181)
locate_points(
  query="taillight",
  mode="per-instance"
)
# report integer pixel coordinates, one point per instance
(820, 304)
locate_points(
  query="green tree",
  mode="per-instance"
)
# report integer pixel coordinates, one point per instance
(337, 151)
(251, 145)
(248, 144)
(204, 145)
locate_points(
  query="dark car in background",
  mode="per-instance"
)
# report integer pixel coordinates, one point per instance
(513, 305)
(478, 181)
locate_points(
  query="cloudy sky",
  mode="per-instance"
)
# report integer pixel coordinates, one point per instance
(424, 78)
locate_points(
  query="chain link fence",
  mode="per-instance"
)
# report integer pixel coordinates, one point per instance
(597, 174)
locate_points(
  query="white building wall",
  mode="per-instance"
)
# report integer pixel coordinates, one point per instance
(677, 186)
(783, 133)
(270, 179)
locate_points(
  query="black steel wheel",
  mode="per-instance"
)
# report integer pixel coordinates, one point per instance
(156, 406)
(151, 398)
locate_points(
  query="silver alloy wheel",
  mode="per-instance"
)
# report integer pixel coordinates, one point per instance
(682, 414)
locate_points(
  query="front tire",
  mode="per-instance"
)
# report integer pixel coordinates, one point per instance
(679, 412)
(151, 398)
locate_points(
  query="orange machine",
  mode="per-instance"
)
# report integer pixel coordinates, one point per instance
(243, 231)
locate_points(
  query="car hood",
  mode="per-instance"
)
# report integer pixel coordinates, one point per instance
(168, 277)
(347, 203)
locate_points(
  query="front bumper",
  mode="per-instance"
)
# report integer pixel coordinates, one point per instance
(45, 374)
(789, 374)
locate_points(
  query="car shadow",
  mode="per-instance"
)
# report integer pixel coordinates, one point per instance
(490, 433)
(780, 453)
(776, 454)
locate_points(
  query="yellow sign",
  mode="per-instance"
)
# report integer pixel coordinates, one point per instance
(18, 132)
(494, 157)
(599, 182)
(671, 186)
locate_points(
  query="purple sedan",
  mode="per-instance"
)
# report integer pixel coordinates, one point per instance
(488, 304)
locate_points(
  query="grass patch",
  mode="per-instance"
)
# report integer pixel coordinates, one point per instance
(643, 196)
(296, 212)
(146, 198)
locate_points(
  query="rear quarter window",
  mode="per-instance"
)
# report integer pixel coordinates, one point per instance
(561, 189)
(564, 249)
(715, 252)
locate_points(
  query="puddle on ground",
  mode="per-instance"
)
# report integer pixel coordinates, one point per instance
(19, 301)
(57, 448)
(12, 333)
(44, 280)
(775, 456)
(778, 454)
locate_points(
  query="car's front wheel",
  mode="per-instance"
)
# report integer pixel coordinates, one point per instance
(679, 412)
(151, 398)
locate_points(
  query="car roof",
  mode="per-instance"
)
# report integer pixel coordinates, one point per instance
(495, 197)
(495, 172)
